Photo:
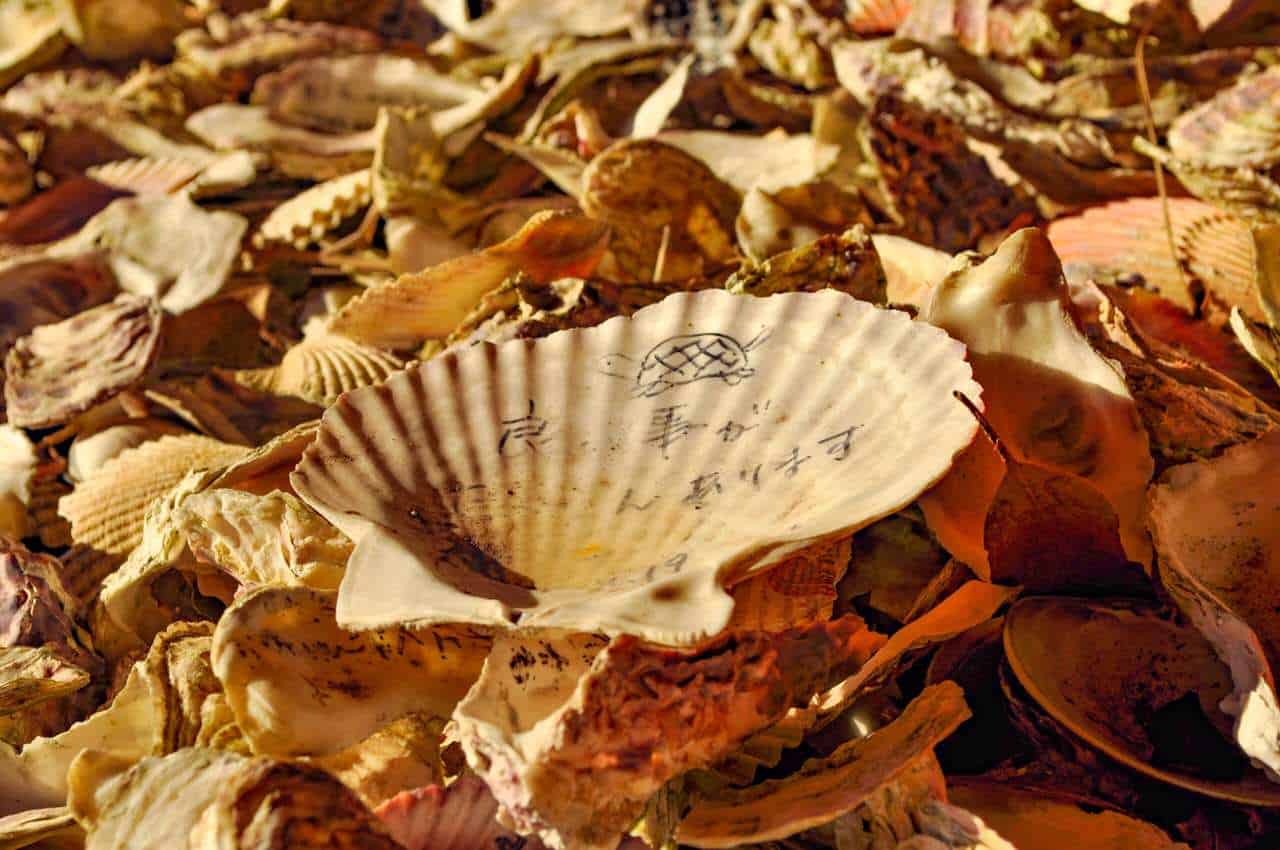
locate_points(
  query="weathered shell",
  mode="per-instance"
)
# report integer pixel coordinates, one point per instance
(1122, 664)
(106, 510)
(322, 367)
(272, 539)
(684, 417)
(551, 720)
(1214, 524)
(311, 215)
(53, 827)
(459, 816)
(18, 461)
(233, 126)
(1126, 241)
(63, 369)
(1239, 127)
(345, 93)
(33, 37)
(107, 30)
(165, 247)
(288, 670)
(1218, 252)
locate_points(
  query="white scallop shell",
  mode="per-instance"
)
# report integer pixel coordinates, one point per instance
(322, 367)
(313, 214)
(629, 470)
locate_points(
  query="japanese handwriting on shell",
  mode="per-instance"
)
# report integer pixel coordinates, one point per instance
(687, 358)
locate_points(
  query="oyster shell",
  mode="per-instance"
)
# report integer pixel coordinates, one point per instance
(693, 377)
(51, 828)
(1218, 543)
(551, 721)
(208, 800)
(342, 94)
(61, 370)
(1124, 668)
(288, 670)
(164, 247)
(106, 510)
(271, 539)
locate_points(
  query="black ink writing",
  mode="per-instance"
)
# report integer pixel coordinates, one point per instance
(838, 444)
(668, 427)
(703, 487)
(791, 465)
(528, 431)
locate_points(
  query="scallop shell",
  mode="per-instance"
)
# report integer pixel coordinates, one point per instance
(310, 216)
(1118, 241)
(90, 451)
(1218, 251)
(1215, 529)
(322, 367)
(61, 370)
(876, 17)
(1122, 663)
(564, 457)
(106, 511)
(1239, 127)
(459, 816)
(146, 175)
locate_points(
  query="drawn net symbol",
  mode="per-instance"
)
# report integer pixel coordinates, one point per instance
(700, 355)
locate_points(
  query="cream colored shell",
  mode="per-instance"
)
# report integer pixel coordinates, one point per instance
(309, 216)
(322, 367)
(622, 474)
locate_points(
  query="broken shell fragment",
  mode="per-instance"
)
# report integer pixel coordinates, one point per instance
(61, 370)
(1140, 688)
(552, 721)
(684, 417)
(1238, 127)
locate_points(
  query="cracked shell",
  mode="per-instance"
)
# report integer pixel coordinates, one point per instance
(599, 479)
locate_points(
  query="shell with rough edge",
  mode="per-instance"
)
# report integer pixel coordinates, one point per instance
(313, 214)
(1237, 127)
(1123, 662)
(614, 478)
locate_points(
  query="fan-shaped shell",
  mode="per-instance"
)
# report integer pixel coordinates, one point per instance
(106, 511)
(90, 451)
(1237, 127)
(1218, 252)
(60, 370)
(1121, 663)
(311, 215)
(1128, 238)
(620, 472)
(322, 367)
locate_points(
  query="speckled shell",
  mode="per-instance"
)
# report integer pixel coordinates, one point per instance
(61, 370)
(311, 215)
(1122, 660)
(621, 474)
(106, 511)
(322, 367)
(1238, 127)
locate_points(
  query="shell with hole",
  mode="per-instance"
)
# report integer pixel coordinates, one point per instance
(1141, 688)
(616, 478)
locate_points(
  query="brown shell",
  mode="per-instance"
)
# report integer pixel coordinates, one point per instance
(1123, 665)
(64, 369)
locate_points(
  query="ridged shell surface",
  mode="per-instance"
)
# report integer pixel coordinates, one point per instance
(870, 17)
(322, 367)
(615, 478)
(311, 215)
